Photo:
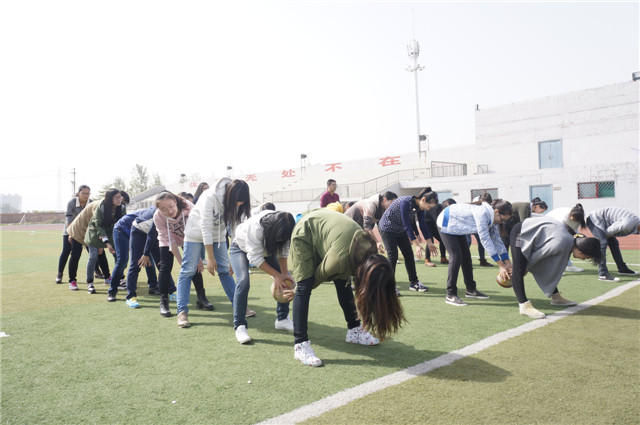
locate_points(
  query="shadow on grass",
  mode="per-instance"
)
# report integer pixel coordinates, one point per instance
(471, 369)
(611, 311)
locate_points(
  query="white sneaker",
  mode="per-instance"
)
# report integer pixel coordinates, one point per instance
(241, 334)
(527, 309)
(285, 324)
(305, 354)
(573, 269)
(360, 336)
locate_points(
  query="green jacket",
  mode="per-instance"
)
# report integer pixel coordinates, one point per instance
(327, 246)
(521, 211)
(96, 231)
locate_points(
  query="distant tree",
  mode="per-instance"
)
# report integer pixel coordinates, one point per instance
(194, 177)
(157, 180)
(183, 179)
(8, 208)
(139, 180)
(117, 183)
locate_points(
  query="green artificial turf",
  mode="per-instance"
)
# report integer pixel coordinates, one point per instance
(580, 370)
(71, 357)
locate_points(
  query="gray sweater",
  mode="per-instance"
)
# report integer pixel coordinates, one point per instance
(547, 245)
(615, 221)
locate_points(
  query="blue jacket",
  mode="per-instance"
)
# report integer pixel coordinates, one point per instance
(125, 223)
(397, 219)
(467, 219)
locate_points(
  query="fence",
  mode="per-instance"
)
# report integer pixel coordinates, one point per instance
(369, 187)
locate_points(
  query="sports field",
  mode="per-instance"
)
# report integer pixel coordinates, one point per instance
(73, 358)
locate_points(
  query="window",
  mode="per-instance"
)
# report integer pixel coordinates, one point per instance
(597, 190)
(550, 154)
(444, 194)
(477, 192)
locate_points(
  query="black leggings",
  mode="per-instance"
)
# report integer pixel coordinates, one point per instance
(459, 256)
(391, 244)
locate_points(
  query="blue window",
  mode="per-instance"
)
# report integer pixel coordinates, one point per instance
(550, 154)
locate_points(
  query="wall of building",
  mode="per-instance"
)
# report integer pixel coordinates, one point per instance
(598, 127)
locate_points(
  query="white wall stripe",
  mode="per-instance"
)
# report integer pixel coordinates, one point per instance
(347, 396)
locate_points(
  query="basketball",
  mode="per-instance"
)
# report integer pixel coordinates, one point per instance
(278, 295)
(502, 282)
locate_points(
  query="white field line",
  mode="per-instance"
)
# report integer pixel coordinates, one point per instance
(347, 396)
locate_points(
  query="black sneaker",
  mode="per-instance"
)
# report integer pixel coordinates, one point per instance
(628, 272)
(476, 294)
(99, 275)
(154, 291)
(123, 284)
(608, 278)
(417, 286)
(111, 298)
(91, 289)
(485, 263)
(59, 278)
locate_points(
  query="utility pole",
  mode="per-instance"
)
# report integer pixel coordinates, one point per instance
(413, 49)
(73, 181)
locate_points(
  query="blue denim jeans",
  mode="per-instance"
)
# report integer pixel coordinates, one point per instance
(193, 251)
(137, 242)
(240, 265)
(92, 263)
(614, 247)
(121, 245)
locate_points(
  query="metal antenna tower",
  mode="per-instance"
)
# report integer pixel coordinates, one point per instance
(413, 49)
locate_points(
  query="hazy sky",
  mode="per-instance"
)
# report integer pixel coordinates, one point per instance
(194, 86)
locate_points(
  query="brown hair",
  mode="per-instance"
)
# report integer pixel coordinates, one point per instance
(180, 202)
(378, 304)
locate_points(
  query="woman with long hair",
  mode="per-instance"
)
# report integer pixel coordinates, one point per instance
(263, 240)
(542, 245)
(396, 231)
(74, 207)
(326, 246)
(220, 207)
(455, 223)
(99, 235)
(202, 186)
(170, 219)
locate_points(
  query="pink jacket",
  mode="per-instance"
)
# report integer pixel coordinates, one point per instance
(171, 230)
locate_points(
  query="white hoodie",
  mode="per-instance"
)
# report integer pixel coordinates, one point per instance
(250, 239)
(206, 221)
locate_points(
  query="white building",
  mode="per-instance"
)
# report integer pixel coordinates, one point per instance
(581, 146)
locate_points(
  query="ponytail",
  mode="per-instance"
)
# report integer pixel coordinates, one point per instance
(428, 195)
(577, 214)
(503, 207)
